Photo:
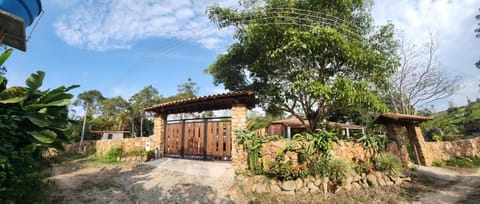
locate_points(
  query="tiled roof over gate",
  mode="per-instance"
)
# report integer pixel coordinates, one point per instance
(400, 118)
(205, 103)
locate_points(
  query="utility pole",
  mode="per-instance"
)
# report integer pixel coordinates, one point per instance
(83, 129)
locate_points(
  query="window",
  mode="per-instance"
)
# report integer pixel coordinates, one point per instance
(110, 135)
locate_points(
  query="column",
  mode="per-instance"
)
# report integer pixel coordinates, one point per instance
(394, 131)
(239, 121)
(159, 123)
(415, 136)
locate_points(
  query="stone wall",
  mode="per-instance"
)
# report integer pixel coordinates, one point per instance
(449, 149)
(102, 146)
(239, 121)
(262, 184)
(344, 149)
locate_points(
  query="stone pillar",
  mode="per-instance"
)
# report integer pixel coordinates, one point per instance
(159, 123)
(415, 136)
(394, 131)
(239, 121)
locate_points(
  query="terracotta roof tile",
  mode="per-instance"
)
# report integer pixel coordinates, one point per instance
(202, 103)
(400, 118)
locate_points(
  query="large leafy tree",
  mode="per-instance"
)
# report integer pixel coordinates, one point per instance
(91, 101)
(306, 57)
(31, 120)
(146, 97)
(115, 114)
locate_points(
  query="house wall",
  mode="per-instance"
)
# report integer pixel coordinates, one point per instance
(114, 135)
(276, 129)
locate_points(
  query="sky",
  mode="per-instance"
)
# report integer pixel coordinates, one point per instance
(120, 46)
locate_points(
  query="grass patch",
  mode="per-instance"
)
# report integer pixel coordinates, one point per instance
(68, 156)
(113, 154)
(438, 163)
(465, 162)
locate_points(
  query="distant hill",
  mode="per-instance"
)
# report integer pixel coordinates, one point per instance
(465, 118)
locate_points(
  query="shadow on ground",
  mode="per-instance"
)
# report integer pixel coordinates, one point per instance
(122, 183)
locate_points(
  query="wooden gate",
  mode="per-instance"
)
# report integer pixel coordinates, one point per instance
(206, 138)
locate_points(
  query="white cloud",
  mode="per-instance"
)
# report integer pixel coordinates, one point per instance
(110, 24)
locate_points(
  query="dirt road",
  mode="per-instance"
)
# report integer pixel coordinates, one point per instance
(144, 183)
(448, 186)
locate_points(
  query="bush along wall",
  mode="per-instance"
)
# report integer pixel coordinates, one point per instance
(307, 163)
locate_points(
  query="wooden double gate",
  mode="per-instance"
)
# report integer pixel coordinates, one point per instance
(207, 138)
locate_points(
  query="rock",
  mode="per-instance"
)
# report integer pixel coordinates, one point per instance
(349, 180)
(248, 185)
(398, 181)
(317, 182)
(406, 179)
(262, 188)
(372, 180)
(381, 180)
(348, 186)
(288, 185)
(302, 190)
(275, 188)
(241, 178)
(338, 189)
(391, 178)
(388, 181)
(299, 183)
(313, 188)
(258, 178)
(288, 192)
(364, 185)
(356, 178)
(325, 188)
(356, 185)
(325, 180)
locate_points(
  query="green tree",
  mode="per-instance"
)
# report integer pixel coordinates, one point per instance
(146, 97)
(188, 89)
(115, 114)
(31, 120)
(91, 102)
(306, 57)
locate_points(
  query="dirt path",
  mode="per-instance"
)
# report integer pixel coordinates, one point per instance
(134, 183)
(449, 186)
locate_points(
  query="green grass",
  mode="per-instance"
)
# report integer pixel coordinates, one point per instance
(466, 162)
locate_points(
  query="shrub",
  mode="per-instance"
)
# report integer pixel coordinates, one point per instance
(31, 121)
(362, 166)
(438, 163)
(113, 153)
(388, 163)
(459, 162)
(137, 152)
(339, 168)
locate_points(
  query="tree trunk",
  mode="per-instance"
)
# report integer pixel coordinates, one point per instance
(83, 131)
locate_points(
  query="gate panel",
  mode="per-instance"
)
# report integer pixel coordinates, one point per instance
(199, 139)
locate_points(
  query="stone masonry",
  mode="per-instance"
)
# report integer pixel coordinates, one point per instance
(239, 121)
(159, 124)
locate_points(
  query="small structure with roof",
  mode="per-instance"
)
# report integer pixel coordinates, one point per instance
(290, 126)
(203, 138)
(110, 134)
(394, 123)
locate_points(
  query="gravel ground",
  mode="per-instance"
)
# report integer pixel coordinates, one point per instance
(141, 183)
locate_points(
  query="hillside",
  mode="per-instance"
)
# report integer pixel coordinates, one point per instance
(465, 119)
